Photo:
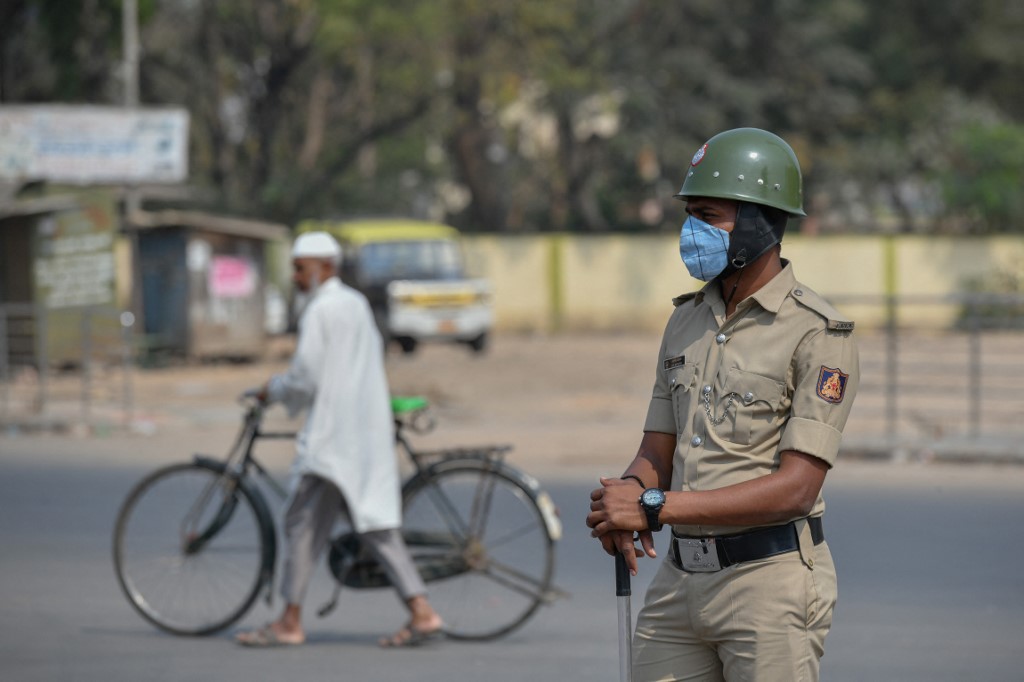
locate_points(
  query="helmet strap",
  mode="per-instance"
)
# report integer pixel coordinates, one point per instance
(732, 292)
(757, 229)
(739, 260)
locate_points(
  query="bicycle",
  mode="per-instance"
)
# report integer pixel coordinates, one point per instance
(195, 543)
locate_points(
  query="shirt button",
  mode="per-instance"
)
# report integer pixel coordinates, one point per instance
(720, 338)
(696, 441)
(673, 382)
(748, 397)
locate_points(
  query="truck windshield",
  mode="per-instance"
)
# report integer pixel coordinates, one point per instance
(382, 262)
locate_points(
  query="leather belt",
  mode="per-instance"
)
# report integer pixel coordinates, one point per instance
(751, 545)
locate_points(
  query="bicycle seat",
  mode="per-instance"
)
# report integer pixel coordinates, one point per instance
(405, 404)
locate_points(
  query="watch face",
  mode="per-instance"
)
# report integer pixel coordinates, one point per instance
(653, 497)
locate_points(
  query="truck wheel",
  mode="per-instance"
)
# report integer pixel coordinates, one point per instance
(479, 344)
(407, 344)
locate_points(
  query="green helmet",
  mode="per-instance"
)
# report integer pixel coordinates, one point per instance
(747, 164)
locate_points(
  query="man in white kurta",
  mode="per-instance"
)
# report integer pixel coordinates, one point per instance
(345, 461)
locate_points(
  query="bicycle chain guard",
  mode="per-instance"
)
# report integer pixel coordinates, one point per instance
(351, 564)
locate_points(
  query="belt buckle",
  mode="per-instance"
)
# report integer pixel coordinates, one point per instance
(698, 555)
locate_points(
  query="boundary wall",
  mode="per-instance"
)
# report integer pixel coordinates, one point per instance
(556, 282)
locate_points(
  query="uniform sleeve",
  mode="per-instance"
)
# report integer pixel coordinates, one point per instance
(826, 374)
(661, 416)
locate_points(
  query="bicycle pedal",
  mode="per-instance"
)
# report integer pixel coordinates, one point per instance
(327, 608)
(553, 594)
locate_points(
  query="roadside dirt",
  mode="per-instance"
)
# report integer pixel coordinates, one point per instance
(571, 405)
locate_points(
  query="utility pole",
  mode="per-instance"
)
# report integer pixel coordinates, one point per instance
(130, 30)
(130, 73)
(131, 320)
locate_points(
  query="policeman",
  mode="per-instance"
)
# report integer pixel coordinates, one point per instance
(755, 379)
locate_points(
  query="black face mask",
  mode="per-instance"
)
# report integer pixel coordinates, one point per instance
(758, 228)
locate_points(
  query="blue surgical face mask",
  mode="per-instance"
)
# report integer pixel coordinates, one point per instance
(704, 249)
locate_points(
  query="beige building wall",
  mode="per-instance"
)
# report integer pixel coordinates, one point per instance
(849, 271)
(930, 267)
(519, 270)
(617, 282)
(621, 282)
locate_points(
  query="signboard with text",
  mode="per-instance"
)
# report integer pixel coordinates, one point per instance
(74, 271)
(93, 145)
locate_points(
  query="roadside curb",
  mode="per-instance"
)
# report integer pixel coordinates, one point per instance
(959, 450)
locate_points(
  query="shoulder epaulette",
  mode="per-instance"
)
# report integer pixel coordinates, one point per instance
(679, 300)
(834, 320)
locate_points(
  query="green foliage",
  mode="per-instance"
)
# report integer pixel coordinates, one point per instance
(983, 179)
(996, 301)
(568, 115)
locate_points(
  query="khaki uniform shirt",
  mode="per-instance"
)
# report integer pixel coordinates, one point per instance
(780, 374)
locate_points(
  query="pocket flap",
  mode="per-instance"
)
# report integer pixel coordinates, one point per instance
(751, 387)
(682, 377)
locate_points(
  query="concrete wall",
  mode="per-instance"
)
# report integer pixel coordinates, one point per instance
(551, 282)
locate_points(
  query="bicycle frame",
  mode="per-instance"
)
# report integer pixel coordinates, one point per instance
(241, 456)
(235, 471)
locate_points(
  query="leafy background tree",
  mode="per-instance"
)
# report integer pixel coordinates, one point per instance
(574, 115)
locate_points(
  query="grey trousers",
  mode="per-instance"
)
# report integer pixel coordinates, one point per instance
(308, 522)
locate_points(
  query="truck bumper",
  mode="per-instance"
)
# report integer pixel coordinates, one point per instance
(445, 324)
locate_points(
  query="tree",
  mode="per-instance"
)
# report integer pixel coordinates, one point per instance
(539, 115)
(61, 50)
(982, 180)
(284, 96)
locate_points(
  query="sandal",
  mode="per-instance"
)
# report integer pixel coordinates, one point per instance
(265, 637)
(410, 636)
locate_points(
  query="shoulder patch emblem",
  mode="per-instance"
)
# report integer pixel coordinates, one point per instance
(840, 325)
(831, 384)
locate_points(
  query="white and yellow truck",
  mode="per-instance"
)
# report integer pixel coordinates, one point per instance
(413, 274)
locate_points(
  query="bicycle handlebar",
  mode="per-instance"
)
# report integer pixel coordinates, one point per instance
(252, 397)
(408, 412)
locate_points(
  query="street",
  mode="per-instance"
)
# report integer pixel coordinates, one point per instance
(928, 558)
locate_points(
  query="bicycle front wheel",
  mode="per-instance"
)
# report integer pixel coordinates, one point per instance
(481, 527)
(191, 548)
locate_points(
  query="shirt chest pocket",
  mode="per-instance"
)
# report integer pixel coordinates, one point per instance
(680, 382)
(756, 402)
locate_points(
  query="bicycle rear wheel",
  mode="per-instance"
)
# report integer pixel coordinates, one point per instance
(485, 523)
(191, 548)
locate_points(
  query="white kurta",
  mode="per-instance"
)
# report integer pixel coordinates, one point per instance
(338, 373)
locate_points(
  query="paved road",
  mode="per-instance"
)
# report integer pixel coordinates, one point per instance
(928, 556)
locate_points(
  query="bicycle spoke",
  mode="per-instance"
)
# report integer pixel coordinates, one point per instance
(445, 508)
(482, 503)
(512, 535)
(529, 579)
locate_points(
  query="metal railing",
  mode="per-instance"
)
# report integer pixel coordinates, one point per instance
(43, 389)
(965, 380)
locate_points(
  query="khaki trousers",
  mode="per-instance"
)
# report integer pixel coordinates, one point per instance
(760, 621)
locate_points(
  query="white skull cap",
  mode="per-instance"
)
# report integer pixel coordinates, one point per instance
(316, 245)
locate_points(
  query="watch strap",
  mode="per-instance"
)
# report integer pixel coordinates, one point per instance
(652, 519)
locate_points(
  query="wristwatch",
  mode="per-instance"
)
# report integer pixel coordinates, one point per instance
(651, 501)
